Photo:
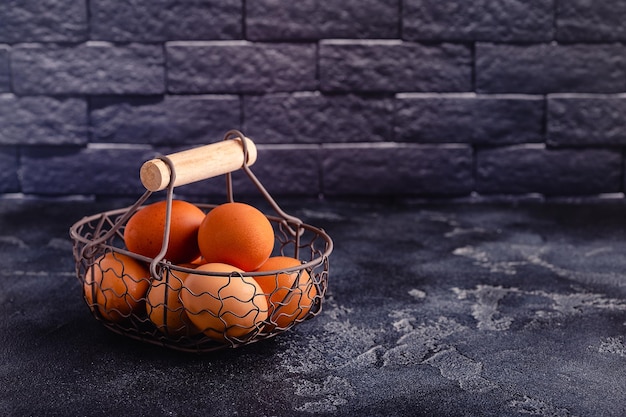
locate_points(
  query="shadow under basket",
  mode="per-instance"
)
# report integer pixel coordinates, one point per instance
(156, 308)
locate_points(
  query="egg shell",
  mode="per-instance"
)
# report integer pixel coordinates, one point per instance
(236, 234)
(116, 285)
(290, 295)
(143, 233)
(165, 308)
(232, 307)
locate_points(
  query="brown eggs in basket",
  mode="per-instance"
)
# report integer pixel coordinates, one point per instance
(156, 274)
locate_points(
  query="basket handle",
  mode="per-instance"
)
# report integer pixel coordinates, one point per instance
(198, 163)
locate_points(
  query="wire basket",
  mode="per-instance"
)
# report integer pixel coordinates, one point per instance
(127, 303)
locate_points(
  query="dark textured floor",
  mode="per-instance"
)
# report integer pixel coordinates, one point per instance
(432, 309)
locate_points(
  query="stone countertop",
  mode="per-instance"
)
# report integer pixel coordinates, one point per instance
(432, 309)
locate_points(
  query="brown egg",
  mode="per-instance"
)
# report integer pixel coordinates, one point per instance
(221, 307)
(143, 233)
(236, 234)
(116, 285)
(290, 295)
(165, 308)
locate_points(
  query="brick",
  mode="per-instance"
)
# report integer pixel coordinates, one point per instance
(164, 119)
(581, 120)
(550, 68)
(311, 19)
(397, 169)
(479, 20)
(90, 68)
(42, 120)
(469, 118)
(523, 169)
(282, 169)
(59, 170)
(163, 20)
(598, 20)
(240, 67)
(5, 73)
(43, 21)
(9, 181)
(289, 170)
(394, 66)
(308, 117)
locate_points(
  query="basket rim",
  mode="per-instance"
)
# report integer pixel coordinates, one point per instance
(164, 263)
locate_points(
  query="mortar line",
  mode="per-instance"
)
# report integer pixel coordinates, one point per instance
(244, 32)
(555, 12)
(401, 19)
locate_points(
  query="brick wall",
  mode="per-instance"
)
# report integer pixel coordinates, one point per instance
(419, 97)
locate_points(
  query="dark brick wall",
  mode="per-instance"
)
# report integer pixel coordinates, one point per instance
(434, 98)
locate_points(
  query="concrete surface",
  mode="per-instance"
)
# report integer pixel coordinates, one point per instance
(457, 309)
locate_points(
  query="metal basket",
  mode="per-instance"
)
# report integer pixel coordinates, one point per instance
(102, 234)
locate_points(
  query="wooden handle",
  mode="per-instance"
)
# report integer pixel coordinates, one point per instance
(197, 164)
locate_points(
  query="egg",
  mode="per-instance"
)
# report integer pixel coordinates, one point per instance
(164, 306)
(143, 233)
(232, 307)
(236, 234)
(115, 286)
(291, 295)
